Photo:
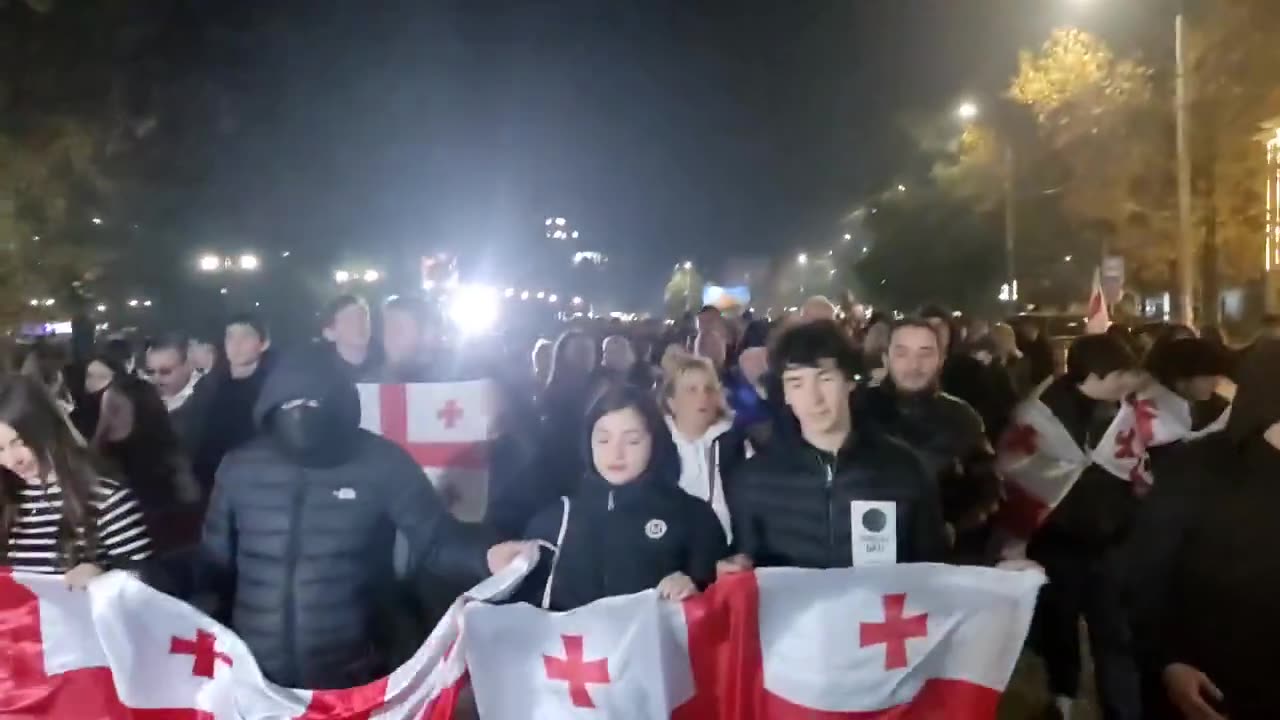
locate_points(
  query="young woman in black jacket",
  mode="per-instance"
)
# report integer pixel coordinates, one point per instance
(629, 527)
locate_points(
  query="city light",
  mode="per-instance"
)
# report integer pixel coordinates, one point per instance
(541, 294)
(474, 309)
(688, 265)
(49, 302)
(902, 188)
(102, 307)
(553, 298)
(210, 263)
(968, 110)
(577, 300)
(223, 291)
(848, 237)
(342, 276)
(34, 303)
(561, 221)
(524, 295)
(371, 276)
(286, 253)
(97, 221)
(802, 259)
(146, 303)
(574, 234)
(509, 292)
(1066, 258)
(133, 303)
(248, 262)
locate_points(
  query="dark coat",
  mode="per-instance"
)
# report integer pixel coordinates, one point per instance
(219, 417)
(624, 539)
(791, 504)
(303, 554)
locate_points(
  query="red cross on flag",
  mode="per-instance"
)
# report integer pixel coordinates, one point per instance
(123, 651)
(446, 427)
(1040, 462)
(1150, 418)
(876, 643)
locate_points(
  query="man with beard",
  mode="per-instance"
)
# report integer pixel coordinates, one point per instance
(942, 429)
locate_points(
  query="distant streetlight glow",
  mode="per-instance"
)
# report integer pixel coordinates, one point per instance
(342, 276)
(802, 259)
(133, 303)
(561, 221)
(97, 221)
(688, 264)
(1066, 259)
(577, 300)
(146, 303)
(102, 307)
(49, 302)
(286, 253)
(510, 292)
(223, 291)
(34, 303)
(553, 298)
(524, 295)
(574, 234)
(210, 263)
(541, 294)
(968, 110)
(848, 237)
(902, 188)
(371, 276)
(248, 262)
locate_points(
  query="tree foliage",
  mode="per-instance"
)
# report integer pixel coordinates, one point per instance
(683, 291)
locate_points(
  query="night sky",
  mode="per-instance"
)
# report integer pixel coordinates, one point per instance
(664, 129)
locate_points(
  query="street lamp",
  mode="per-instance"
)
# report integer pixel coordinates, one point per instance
(210, 263)
(802, 259)
(688, 264)
(102, 307)
(371, 276)
(97, 221)
(248, 262)
(133, 303)
(342, 277)
(967, 111)
(552, 298)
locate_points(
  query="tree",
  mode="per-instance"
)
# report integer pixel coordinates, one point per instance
(683, 292)
(929, 246)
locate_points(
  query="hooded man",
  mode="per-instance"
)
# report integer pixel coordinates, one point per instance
(298, 541)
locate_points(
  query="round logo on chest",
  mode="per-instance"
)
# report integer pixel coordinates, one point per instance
(655, 529)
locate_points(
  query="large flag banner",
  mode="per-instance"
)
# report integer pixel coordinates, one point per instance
(901, 642)
(123, 651)
(447, 428)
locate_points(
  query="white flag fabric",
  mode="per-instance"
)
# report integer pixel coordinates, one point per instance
(893, 641)
(446, 427)
(1153, 417)
(1040, 462)
(123, 650)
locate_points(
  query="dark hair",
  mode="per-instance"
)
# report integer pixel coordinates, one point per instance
(249, 320)
(557, 375)
(331, 309)
(1098, 355)
(174, 341)
(26, 407)
(111, 362)
(1185, 358)
(807, 345)
(919, 323)
(664, 462)
(935, 312)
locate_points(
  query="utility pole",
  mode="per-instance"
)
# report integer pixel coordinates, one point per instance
(1186, 250)
(1010, 227)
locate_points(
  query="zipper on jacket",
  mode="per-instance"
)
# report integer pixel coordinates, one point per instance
(831, 525)
(604, 574)
(291, 564)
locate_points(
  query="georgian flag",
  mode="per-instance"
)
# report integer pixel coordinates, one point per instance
(872, 643)
(1150, 418)
(1040, 462)
(446, 427)
(123, 651)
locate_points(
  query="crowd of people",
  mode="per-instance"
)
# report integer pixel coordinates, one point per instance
(657, 456)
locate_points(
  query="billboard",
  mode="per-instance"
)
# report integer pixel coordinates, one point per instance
(726, 298)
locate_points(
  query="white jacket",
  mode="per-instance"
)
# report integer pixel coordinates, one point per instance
(700, 468)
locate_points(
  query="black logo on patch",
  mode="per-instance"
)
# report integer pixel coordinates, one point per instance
(874, 520)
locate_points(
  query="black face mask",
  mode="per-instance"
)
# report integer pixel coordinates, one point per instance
(310, 433)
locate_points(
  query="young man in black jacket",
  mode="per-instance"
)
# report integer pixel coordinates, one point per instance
(1078, 544)
(834, 495)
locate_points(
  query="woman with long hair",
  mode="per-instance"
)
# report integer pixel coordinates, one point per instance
(58, 514)
(135, 434)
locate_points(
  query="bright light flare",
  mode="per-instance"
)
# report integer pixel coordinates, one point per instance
(372, 276)
(474, 309)
(249, 262)
(342, 276)
(967, 110)
(210, 263)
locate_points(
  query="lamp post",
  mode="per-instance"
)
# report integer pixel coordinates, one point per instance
(967, 112)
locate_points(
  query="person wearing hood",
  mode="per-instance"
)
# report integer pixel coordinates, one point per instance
(629, 527)
(1204, 586)
(797, 503)
(298, 540)
(702, 429)
(945, 432)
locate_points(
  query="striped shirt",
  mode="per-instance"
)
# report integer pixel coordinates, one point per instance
(33, 539)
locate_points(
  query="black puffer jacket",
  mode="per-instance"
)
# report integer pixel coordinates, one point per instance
(624, 539)
(303, 554)
(791, 504)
